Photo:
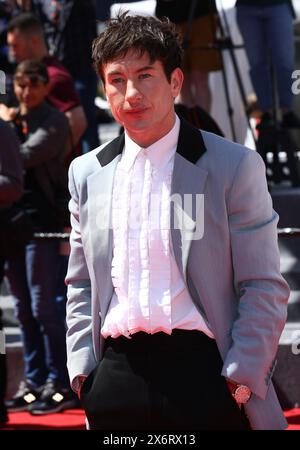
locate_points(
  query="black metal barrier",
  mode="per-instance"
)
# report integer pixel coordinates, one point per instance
(282, 232)
(51, 235)
(288, 232)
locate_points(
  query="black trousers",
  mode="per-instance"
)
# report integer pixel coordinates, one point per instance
(160, 381)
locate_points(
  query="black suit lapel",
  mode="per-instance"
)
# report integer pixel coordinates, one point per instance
(190, 142)
(113, 149)
(190, 145)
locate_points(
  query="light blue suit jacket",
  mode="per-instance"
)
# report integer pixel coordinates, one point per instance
(232, 272)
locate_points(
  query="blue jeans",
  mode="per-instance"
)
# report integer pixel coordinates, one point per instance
(61, 287)
(32, 281)
(267, 32)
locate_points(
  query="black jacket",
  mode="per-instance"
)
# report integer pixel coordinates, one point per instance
(178, 10)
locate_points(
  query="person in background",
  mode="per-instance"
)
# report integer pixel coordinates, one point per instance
(25, 38)
(6, 66)
(11, 189)
(267, 30)
(31, 276)
(175, 298)
(69, 25)
(199, 34)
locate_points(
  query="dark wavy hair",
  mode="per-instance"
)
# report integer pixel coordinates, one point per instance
(32, 67)
(144, 34)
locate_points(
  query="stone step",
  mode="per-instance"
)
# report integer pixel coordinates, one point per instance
(12, 337)
(286, 204)
(291, 335)
(8, 311)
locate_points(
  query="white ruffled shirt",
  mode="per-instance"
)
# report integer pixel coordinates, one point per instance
(149, 292)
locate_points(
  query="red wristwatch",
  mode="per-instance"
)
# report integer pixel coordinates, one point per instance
(240, 392)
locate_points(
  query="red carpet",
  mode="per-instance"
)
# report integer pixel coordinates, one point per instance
(73, 419)
(293, 418)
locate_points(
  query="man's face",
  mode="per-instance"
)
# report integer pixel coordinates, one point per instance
(140, 96)
(30, 91)
(20, 45)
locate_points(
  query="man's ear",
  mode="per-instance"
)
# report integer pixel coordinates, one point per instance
(177, 78)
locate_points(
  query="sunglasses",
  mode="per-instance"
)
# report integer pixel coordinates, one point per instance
(29, 80)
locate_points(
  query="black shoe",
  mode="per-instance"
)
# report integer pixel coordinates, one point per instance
(290, 120)
(24, 397)
(54, 399)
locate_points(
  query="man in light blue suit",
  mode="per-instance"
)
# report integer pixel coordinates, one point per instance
(175, 299)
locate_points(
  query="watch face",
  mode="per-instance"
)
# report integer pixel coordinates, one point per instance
(242, 394)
